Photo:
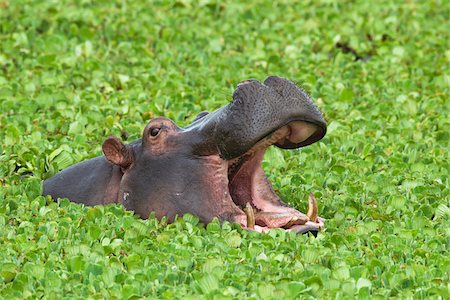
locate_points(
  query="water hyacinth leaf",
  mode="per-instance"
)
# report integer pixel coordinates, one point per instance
(314, 283)
(8, 271)
(185, 264)
(133, 263)
(129, 292)
(310, 256)
(341, 273)
(51, 280)
(266, 291)
(63, 159)
(197, 242)
(191, 219)
(348, 287)
(292, 289)
(77, 249)
(233, 239)
(211, 264)
(95, 232)
(442, 211)
(163, 237)
(108, 276)
(363, 283)
(208, 283)
(141, 228)
(262, 257)
(214, 226)
(76, 263)
(116, 243)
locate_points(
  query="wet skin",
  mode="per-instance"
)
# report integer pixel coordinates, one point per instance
(211, 168)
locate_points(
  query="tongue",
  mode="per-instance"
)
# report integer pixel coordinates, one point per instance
(279, 220)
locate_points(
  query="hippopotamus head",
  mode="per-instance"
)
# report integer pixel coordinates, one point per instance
(212, 168)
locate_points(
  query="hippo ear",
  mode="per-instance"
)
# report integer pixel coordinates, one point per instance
(200, 115)
(117, 153)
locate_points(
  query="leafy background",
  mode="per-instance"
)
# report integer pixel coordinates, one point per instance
(75, 72)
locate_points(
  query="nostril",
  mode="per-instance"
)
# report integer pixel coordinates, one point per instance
(154, 131)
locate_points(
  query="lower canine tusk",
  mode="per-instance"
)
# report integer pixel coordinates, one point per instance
(248, 209)
(291, 222)
(312, 208)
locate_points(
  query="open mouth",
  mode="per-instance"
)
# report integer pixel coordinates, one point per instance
(251, 191)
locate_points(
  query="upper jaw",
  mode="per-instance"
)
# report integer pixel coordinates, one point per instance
(260, 109)
(256, 111)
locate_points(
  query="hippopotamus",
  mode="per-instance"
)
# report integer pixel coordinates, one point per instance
(211, 168)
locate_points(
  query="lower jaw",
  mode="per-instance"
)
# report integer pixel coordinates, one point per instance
(248, 188)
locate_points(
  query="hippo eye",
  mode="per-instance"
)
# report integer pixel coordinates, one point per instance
(154, 131)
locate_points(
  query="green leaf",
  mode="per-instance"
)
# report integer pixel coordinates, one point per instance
(8, 271)
(63, 160)
(233, 239)
(442, 211)
(363, 283)
(341, 273)
(266, 291)
(208, 283)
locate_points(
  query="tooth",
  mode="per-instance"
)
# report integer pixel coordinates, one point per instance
(312, 208)
(248, 209)
(291, 222)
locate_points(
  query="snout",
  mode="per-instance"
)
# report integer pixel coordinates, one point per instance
(260, 109)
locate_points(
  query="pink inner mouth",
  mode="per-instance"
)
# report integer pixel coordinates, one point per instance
(249, 187)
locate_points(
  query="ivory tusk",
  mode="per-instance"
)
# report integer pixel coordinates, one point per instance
(291, 222)
(313, 210)
(248, 209)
